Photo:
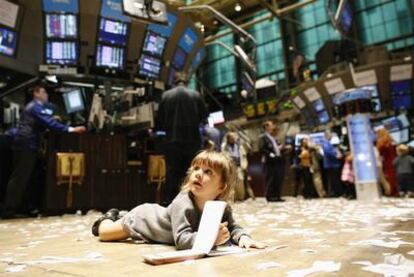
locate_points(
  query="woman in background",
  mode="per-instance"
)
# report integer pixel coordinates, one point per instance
(386, 148)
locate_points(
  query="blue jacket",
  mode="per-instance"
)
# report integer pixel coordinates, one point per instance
(329, 155)
(35, 119)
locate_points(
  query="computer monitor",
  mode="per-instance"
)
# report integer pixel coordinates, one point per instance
(400, 136)
(179, 58)
(113, 32)
(375, 100)
(318, 105)
(61, 52)
(216, 118)
(323, 117)
(8, 42)
(154, 44)
(149, 66)
(73, 101)
(110, 56)
(61, 26)
(401, 93)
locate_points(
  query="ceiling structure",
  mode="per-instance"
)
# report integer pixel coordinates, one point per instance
(246, 8)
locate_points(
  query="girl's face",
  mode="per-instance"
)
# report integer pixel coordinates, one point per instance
(205, 182)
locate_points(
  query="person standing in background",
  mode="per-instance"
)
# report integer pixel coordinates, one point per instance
(37, 117)
(386, 149)
(404, 167)
(180, 114)
(273, 162)
(332, 165)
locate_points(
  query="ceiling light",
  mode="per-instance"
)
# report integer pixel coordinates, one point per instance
(237, 7)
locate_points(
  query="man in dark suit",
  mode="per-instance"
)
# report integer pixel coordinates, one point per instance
(180, 114)
(273, 162)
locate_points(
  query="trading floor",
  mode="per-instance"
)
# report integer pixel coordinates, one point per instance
(323, 237)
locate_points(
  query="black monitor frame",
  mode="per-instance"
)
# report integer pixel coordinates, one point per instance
(122, 68)
(82, 96)
(16, 44)
(75, 40)
(152, 54)
(185, 60)
(77, 49)
(107, 43)
(138, 71)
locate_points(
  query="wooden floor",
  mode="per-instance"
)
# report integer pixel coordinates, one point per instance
(334, 230)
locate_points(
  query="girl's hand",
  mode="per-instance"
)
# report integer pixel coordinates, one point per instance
(247, 242)
(223, 234)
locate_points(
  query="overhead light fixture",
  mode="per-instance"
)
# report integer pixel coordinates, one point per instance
(237, 7)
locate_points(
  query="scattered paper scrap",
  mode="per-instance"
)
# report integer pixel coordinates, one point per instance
(318, 266)
(267, 265)
(16, 268)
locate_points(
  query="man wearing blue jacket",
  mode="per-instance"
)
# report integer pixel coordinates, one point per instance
(332, 165)
(35, 119)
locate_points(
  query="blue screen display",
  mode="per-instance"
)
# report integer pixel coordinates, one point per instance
(401, 92)
(61, 26)
(197, 59)
(154, 44)
(110, 56)
(113, 32)
(323, 117)
(61, 52)
(179, 58)
(165, 31)
(318, 105)
(149, 66)
(113, 9)
(8, 40)
(188, 39)
(70, 6)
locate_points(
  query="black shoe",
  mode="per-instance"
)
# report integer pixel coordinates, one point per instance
(112, 214)
(274, 199)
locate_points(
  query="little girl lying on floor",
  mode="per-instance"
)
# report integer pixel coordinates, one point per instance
(212, 176)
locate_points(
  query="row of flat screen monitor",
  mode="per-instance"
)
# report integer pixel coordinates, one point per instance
(112, 38)
(401, 98)
(398, 127)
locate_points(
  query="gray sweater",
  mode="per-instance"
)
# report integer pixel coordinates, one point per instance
(404, 164)
(177, 224)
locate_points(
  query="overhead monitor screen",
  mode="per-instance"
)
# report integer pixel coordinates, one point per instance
(375, 100)
(400, 136)
(179, 58)
(318, 105)
(8, 43)
(154, 44)
(113, 32)
(215, 118)
(110, 56)
(73, 101)
(61, 26)
(323, 117)
(61, 52)
(149, 66)
(401, 93)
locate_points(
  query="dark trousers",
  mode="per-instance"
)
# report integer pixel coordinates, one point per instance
(309, 190)
(275, 172)
(335, 187)
(24, 162)
(178, 157)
